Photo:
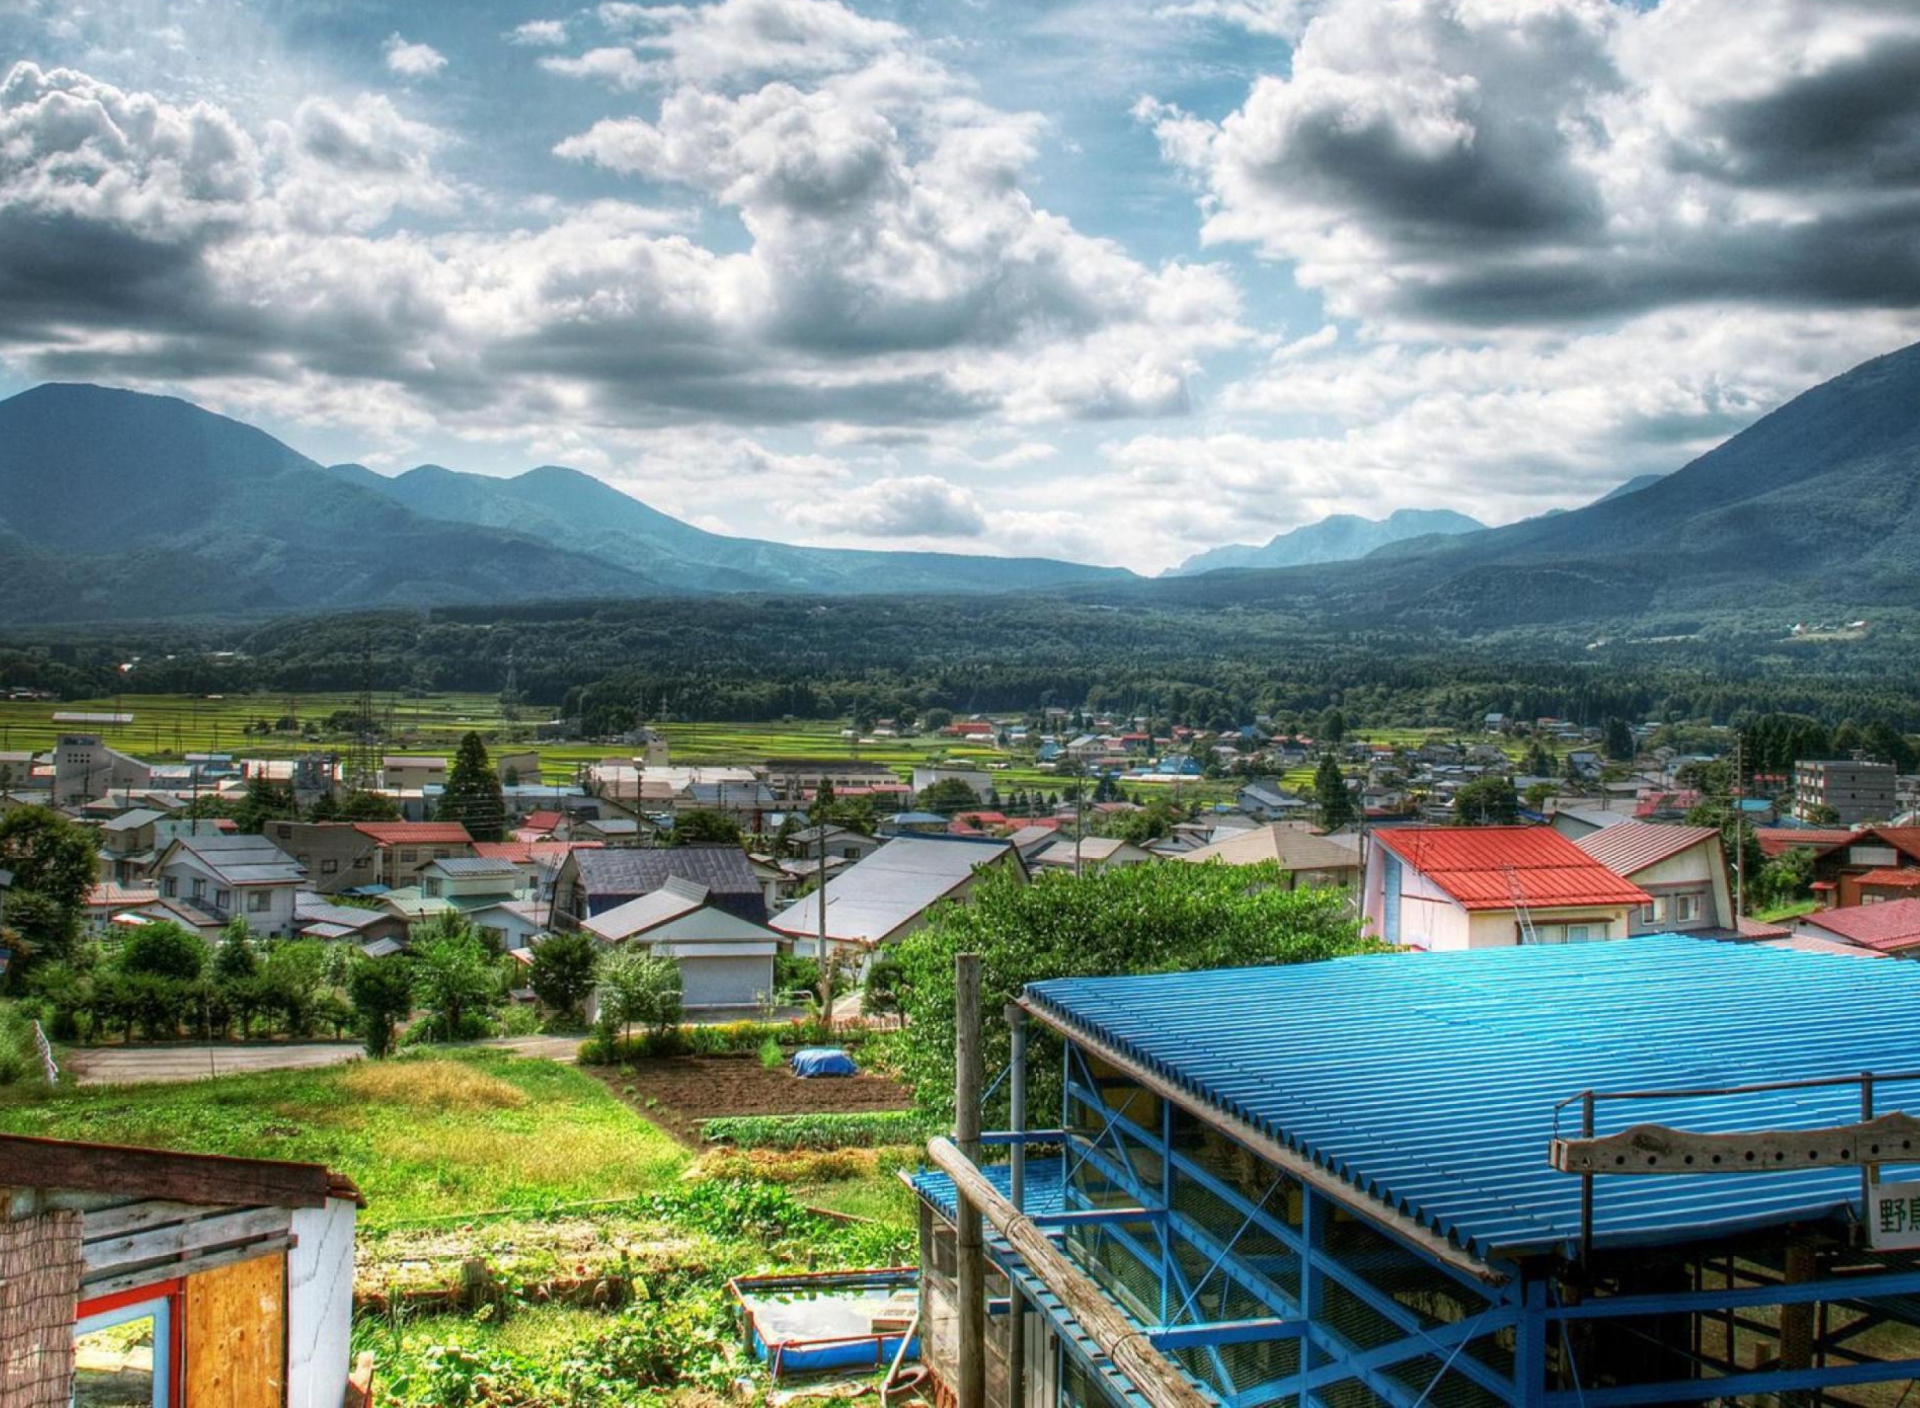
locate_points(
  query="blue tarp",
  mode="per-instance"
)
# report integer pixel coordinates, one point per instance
(823, 1061)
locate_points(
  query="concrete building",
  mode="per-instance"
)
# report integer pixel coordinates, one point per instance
(1857, 792)
(85, 768)
(337, 854)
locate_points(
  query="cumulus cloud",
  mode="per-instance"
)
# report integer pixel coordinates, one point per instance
(539, 33)
(738, 40)
(412, 60)
(1441, 163)
(909, 506)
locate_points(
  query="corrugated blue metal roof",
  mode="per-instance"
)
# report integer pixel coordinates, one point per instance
(1428, 1081)
(1043, 1188)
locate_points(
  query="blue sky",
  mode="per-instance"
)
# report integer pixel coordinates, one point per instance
(1113, 281)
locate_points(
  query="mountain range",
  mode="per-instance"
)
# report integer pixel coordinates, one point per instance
(115, 505)
(1816, 504)
(1340, 537)
(119, 506)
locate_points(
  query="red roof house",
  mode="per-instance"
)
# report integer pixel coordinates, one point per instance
(1439, 887)
(1889, 927)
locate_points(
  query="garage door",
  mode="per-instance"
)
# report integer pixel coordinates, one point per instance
(725, 982)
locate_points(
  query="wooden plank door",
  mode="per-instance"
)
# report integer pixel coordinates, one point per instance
(236, 1340)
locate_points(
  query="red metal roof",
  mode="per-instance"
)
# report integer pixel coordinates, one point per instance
(1908, 879)
(1884, 927)
(1778, 840)
(1631, 846)
(1479, 867)
(415, 833)
(1904, 839)
(526, 852)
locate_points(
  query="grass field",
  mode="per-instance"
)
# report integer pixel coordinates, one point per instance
(422, 1136)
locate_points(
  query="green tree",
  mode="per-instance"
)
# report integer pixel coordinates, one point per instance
(473, 796)
(947, 796)
(1738, 841)
(1333, 727)
(705, 827)
(455, 978)
(235, 959)
(1330, 792)
(1619, 741)
(637, 986)
(562, 972)
(264, 801)
(880, 996)
(381, 991)
(52, 858)
(1486, 801)
(1887, 743)
(1126, 919)
(163, 951)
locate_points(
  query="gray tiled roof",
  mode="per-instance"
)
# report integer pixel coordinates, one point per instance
(612, 877)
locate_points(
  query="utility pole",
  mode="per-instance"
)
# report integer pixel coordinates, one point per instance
(1737, 787)
(971, 1291)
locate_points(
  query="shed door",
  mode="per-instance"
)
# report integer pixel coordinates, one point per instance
(237, 1335)
(725, 982)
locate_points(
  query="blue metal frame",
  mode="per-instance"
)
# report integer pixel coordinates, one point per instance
(1292, 1285)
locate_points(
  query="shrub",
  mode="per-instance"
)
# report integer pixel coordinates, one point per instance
(860, 1130)
(771, 1056)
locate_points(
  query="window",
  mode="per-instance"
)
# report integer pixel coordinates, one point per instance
(362, 862)
(170, 887)
(1580, 933)
(1649, 913)
(199, 888)
(259, 901)
(441, 853)
(329, 867)
(127, 1348)
(222, 899)
(1686, 908)
(408, 857)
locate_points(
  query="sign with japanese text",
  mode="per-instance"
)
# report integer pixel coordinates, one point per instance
(1893, 1220)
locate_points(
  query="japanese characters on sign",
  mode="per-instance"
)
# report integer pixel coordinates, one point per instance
(1894, 1220)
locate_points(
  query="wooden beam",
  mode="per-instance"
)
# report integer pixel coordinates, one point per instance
(1279, 1155)
(29, 1162)
(180, 1239)
(98, 1223)
(209, 1261)
(1129, 1348)
(971, 1270)
(1892, 1138)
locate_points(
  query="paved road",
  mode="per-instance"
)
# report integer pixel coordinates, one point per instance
(126, 1065)
(121, 1065)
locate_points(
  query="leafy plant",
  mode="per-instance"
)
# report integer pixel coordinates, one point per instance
(818, 1131)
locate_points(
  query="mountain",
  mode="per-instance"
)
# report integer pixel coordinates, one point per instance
(115, 505)
(1815, 504)
(1338, 538)
(574, 510)
(1632, 486)
(121, 505)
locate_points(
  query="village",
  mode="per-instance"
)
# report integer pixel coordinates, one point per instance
(773, 901)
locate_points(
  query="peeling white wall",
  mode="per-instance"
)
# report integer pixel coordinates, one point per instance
(320, 1305)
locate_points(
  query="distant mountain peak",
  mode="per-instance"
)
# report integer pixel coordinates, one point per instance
(1339, 537)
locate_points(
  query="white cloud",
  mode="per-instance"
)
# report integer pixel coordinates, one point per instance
(539, 33)
(907, 507)
(1428, 163)
(412, 60)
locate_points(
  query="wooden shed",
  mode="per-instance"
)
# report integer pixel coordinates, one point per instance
(143, 1276)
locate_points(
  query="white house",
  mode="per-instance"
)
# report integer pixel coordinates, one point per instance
(1446, 887)
(724, 960)
(227, 876)
(1682, 868)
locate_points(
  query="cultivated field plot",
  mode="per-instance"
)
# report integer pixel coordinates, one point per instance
(679, 1093)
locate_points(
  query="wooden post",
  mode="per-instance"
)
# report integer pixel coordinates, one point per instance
(971, 1291)
(1017, 1122)
(1796, 1321)
(1160, 1383)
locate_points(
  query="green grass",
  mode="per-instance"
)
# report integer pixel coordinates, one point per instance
(1780, 914)
(423, 1137)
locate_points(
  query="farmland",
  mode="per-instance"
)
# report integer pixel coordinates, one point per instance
(164, 727)
(605, 1244)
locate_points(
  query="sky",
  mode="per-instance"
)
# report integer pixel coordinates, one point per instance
(1115, 281)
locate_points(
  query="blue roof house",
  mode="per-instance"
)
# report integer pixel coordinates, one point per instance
(1656, 1170)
